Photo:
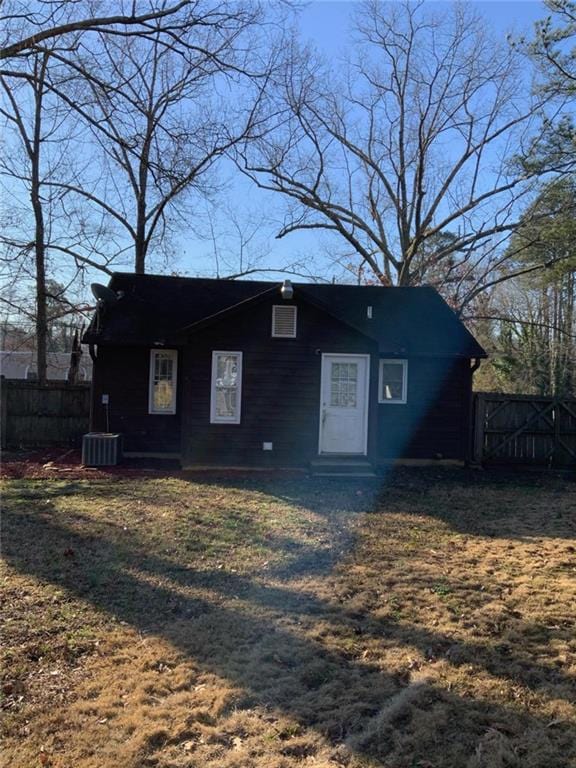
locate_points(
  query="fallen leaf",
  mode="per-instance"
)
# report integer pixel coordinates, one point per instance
(188, 746)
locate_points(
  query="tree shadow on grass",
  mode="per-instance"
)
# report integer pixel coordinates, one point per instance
(448, 495)
(250, 632)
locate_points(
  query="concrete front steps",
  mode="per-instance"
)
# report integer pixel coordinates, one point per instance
(342, 466)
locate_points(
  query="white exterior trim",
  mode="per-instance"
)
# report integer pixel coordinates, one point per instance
(214, 419)
(366, 402)
(173, 353)
(404, 363)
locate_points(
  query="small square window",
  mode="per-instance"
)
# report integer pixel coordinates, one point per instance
(393, 381)
(284, 321)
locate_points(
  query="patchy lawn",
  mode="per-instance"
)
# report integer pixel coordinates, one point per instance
(179, 622)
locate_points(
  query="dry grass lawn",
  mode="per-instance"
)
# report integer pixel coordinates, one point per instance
(172, 621)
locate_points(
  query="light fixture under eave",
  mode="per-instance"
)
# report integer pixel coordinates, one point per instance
(287, 290)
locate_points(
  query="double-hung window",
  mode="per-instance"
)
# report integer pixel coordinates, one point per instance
(226, 390)
(393, 381)
(162, 382)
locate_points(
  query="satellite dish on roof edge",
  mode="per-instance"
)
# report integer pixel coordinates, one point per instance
(103, 293)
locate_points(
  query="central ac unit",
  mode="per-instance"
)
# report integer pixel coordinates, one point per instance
(101, 449)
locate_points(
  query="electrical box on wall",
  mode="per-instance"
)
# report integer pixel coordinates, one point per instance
(267, 446)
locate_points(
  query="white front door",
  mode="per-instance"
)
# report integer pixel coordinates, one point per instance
(344, 404)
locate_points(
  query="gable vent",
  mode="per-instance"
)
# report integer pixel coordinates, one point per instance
(284, 321)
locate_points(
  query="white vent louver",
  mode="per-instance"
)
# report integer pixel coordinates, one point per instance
(284, 321)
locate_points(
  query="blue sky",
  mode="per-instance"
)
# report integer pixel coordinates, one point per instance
(325, 23)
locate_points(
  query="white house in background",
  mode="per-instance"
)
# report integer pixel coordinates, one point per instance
(22, 365)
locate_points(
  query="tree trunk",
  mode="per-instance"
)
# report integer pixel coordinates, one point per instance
(139, 252)
(404, 275)
(39, 233)
(143, 170)
(41, 315)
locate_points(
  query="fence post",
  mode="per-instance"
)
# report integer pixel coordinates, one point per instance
(479, 417)
(557, 434)
(3, 413)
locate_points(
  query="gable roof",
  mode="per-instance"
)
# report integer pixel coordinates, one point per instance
(159, 309)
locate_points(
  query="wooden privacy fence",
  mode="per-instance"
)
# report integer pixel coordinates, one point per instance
(55, 413)
(524, 430)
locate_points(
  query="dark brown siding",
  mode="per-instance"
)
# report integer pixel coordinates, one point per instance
(434, 423)
(122, 373)
(280, 387)
(280, 396)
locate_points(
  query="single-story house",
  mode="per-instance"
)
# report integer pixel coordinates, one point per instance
(267, 374)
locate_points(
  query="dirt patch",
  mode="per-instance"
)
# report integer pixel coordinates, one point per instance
(174, 621)
(66, 463)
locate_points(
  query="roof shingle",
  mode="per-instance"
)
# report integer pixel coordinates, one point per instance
(409, 321)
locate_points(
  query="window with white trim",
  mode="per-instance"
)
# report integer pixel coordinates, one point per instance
(226, 389)
(284, 321)
(393, 381)
(162, 382)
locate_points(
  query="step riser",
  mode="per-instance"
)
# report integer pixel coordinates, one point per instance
(343, 470)
(342, 467)
(343, 464)
(347, 475)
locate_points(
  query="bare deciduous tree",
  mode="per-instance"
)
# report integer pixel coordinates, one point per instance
(140, 87)
(27, 26)
(238, 245)
(32, 134)
(409, 160)
(160, 120)
(37, 236)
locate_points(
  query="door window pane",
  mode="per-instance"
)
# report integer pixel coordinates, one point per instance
(343, 385)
